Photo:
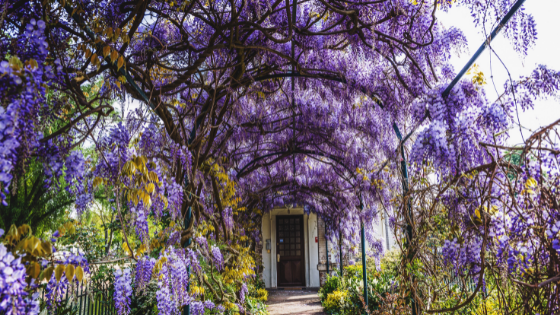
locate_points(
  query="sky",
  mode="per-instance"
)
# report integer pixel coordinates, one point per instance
(546, 51)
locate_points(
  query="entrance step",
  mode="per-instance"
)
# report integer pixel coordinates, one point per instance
(291, 301)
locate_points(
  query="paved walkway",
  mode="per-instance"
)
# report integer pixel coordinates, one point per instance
(294, 302)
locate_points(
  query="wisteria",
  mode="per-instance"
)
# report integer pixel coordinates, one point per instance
(242, 293)
(173, 282)
(144, 270)
(239, 108)
(13, 297)
(55, 290)
(123, 291)
(217, 258)
(197, 308)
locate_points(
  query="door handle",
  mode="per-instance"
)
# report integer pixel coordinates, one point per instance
(278, 257)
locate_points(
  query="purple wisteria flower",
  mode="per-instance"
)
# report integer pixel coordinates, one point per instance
(556, 245)
(192, 259)
(244, 290)
(217, 258)
(55, 291)
(74, 172)
(209, 304)
(553, 229)
(144, 269)
(241, 308)
(141, 226)
(203, 243)
(173, 277)
(175, 199)
(228, 218)
(123, 291)
(13, 298)
(165, 304)
(173, 239)
(197, 308)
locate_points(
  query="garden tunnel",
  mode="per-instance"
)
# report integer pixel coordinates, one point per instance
(231, 162)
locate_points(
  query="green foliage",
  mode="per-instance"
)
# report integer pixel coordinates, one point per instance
(66, 309)
(93, 240)
(391, 260)
(31, 202)
(332, 284)
(146, 302)
(344, 296)
(256, 306)
(336, 301)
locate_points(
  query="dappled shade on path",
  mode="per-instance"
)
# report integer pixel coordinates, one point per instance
(294, 302)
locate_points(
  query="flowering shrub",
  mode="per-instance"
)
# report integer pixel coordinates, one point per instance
(336, 302)
(350, 287)
(262, 294)
(332, 284)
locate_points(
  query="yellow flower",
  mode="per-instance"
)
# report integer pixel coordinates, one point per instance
(262, 294)
(336, 300)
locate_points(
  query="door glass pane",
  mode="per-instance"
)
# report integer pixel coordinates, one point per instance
(298, 252)
(292, 246)
(298, 246)
(281, 253)
(297, 233)
(298, 240)
(292, 240)
(292, 253)
(292, 221)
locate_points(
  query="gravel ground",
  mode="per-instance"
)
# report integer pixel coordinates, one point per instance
(294, 302)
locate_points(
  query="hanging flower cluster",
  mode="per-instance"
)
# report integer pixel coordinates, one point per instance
(13, 296)
(123, 291)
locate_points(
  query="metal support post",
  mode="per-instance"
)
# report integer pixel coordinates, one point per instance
(187, 223)
(340, 255)
(487, 42)
(409, 222)
(364, 269)
(327, 247)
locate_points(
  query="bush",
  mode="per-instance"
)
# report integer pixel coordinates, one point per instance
(332, 284)
(335, 303)
(344, 295)
(262, 294)
(391, 260)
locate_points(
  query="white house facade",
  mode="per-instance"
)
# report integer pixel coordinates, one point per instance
(294, 248)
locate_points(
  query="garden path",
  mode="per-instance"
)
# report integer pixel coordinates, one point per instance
(284, 302)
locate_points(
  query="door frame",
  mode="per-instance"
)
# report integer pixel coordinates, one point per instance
(303, 240)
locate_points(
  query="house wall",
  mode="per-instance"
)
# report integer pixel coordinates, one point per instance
(311, 247)
(311, 228)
